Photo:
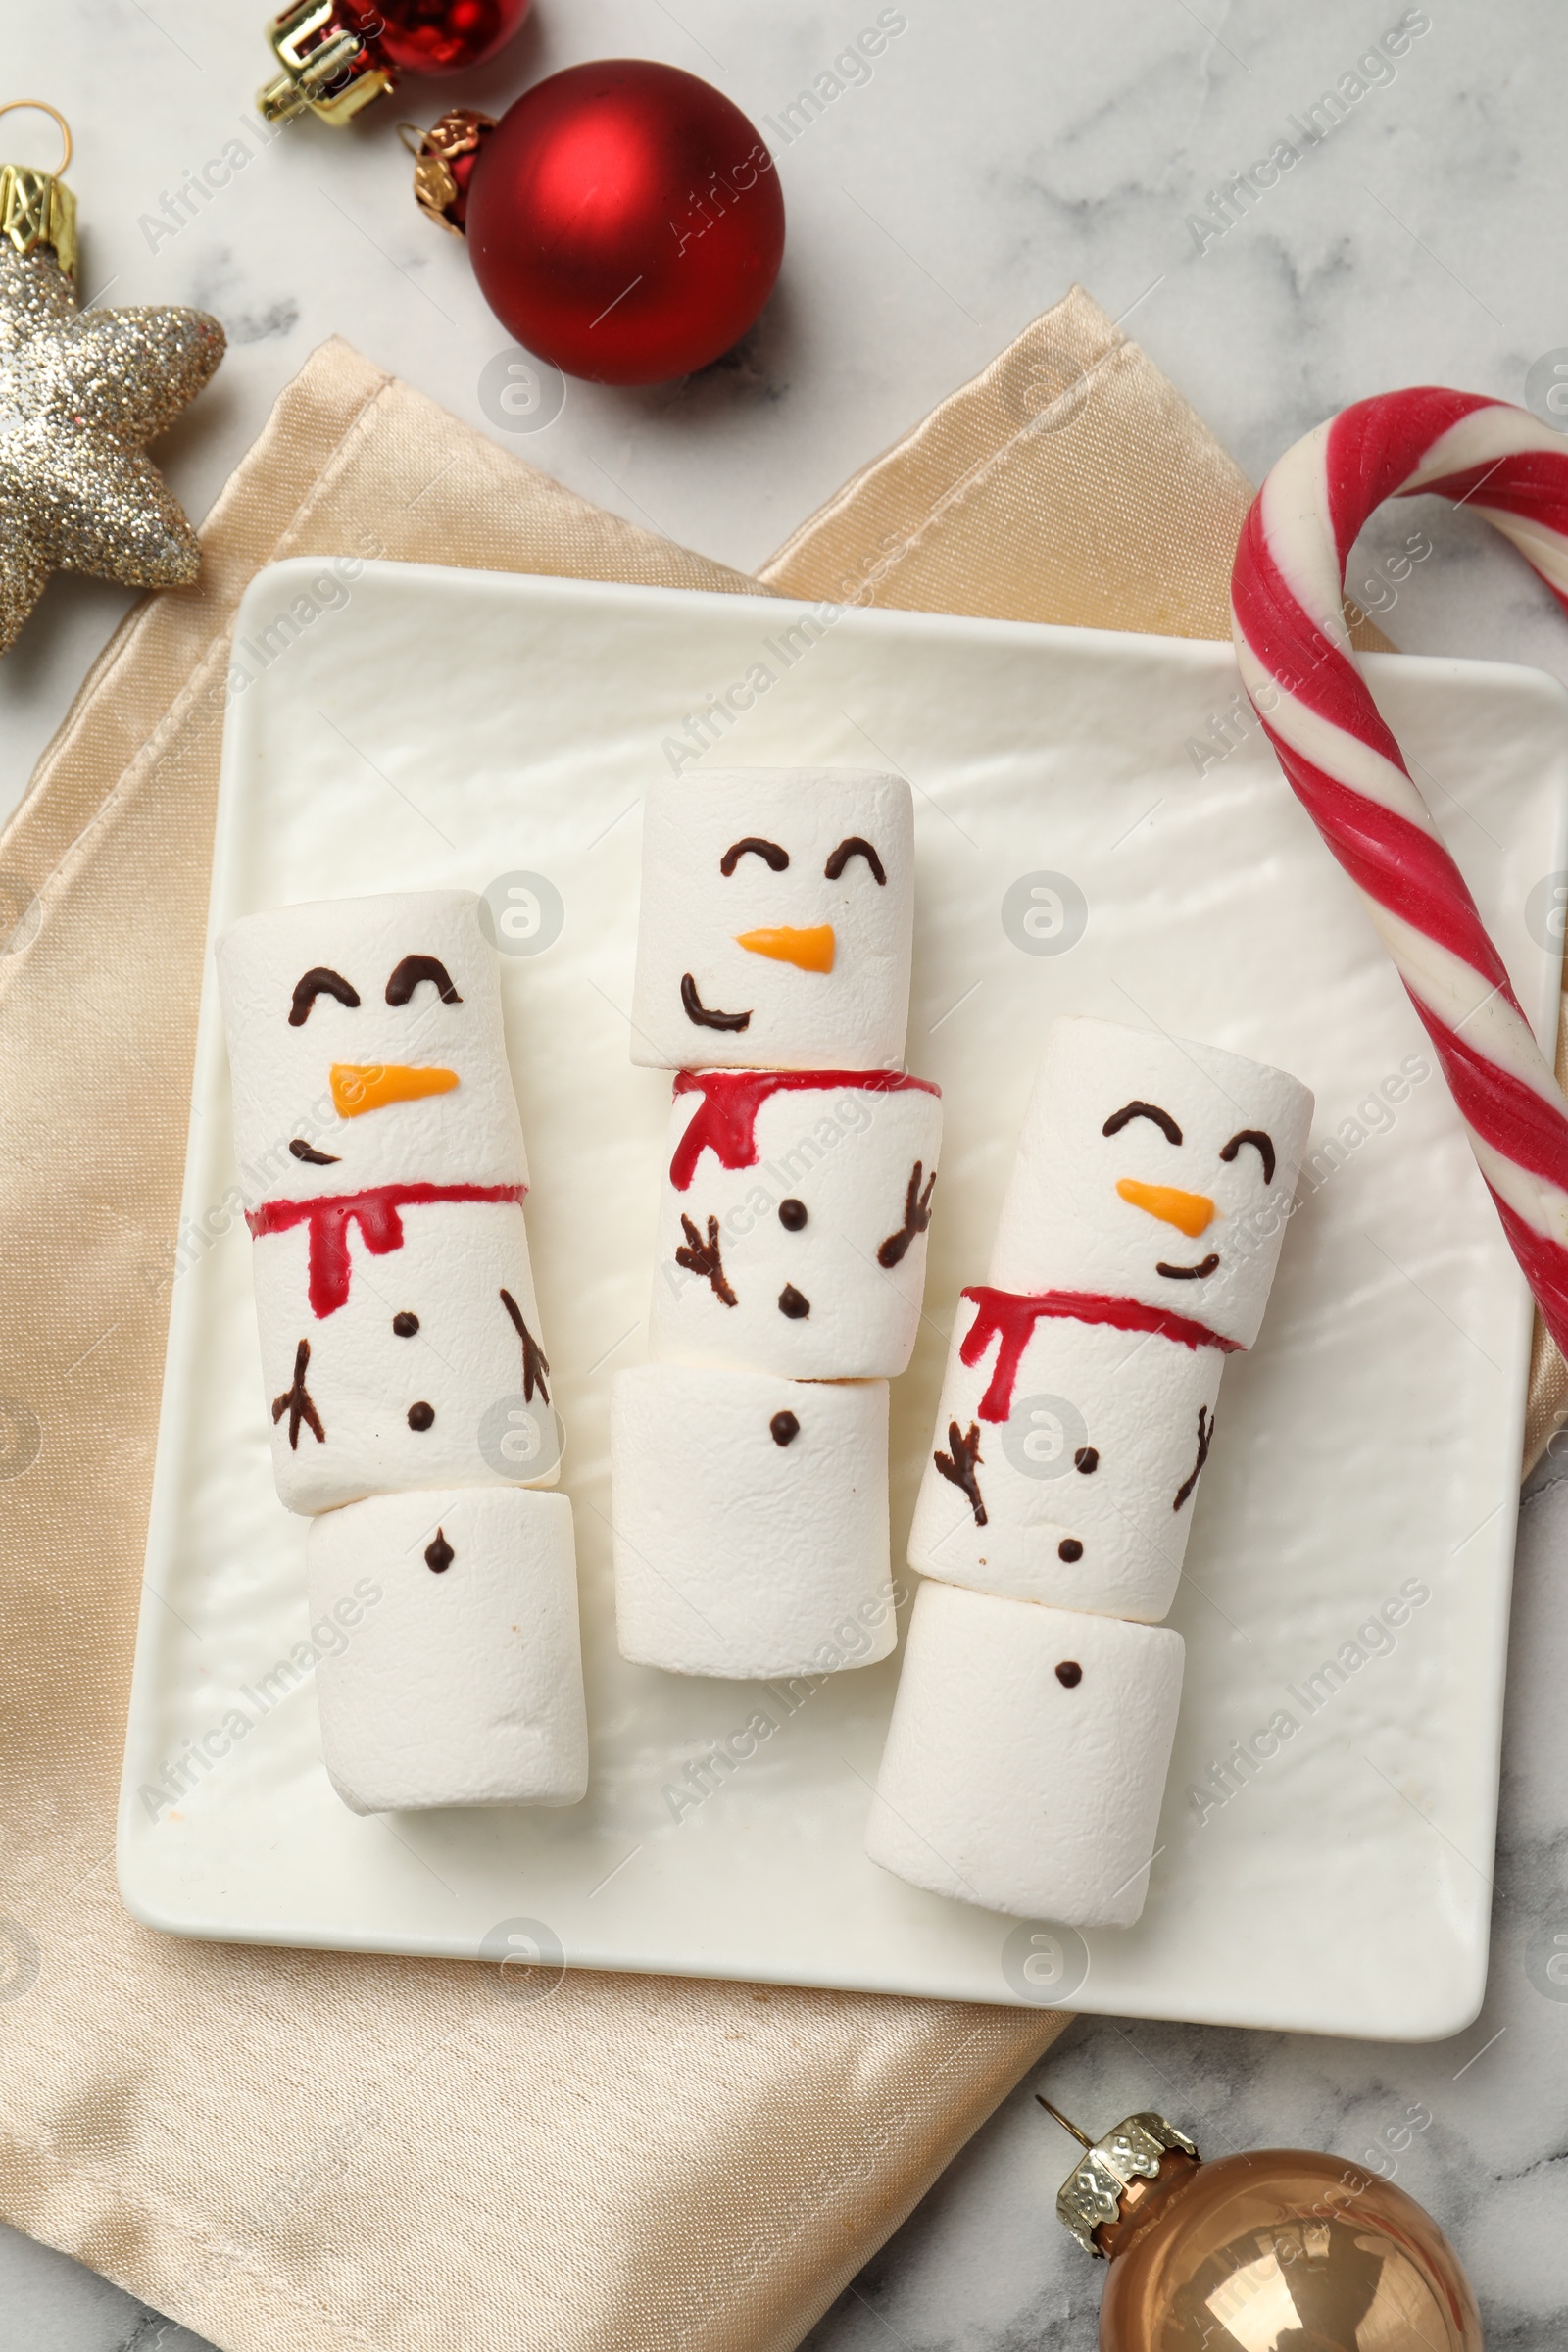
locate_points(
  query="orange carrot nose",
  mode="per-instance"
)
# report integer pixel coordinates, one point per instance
(357, 1087)
(811, 949)
(1191, 1213)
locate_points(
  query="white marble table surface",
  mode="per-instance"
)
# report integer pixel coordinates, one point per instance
(996, 154)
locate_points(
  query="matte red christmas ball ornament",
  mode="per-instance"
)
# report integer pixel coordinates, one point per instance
(625, 221)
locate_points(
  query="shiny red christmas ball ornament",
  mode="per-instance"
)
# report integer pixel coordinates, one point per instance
(625, 221)
(334, 58)
(438, 36)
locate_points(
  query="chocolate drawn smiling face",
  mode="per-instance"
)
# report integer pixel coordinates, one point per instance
(1157, 1169)
(367, 1048)
(1190, 1213)
(775, 924)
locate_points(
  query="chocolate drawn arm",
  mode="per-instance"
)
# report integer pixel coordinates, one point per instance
(295, 1402)
(535, 1363)
(1205, 1438)
(959, 1467)
(917, 1217)
(705, 1258)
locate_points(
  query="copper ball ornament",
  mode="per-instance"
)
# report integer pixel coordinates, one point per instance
(1278, 2251)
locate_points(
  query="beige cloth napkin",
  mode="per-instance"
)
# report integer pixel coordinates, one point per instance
(302, 2151)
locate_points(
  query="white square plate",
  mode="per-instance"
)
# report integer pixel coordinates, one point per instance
(418, 726)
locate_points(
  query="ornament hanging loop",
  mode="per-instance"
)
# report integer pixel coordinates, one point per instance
(1057, 2116)
(37, 208)
(41, 105)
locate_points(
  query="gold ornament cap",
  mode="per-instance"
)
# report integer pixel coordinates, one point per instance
(328, 67)
(37, 208)
(440, 180)
(1094, 2191)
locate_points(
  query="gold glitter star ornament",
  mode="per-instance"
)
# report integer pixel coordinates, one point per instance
(81, 392)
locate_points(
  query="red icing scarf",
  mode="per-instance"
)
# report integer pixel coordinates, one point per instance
(1011, 1318)
(726, 1121)
(376, 1212)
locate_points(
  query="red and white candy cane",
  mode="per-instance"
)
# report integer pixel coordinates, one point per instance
(1287, 621)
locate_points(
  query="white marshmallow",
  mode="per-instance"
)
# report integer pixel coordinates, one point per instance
(466, 1362)
(282, 1066)
(1087, 1481)
(1004, 1785)
(1063, 1224)
(780, 1013)
(736, 1553)
(460, 1682)
(792, 1222)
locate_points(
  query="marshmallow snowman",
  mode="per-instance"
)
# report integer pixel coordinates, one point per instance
(382, 1157)
(461, 1679)
(750, 1462)
(751, 1521)
(776, 924)
(382, 1163)
(1026, 1758)
(791, 1223)
(1137, 1243)
(1135, 1247)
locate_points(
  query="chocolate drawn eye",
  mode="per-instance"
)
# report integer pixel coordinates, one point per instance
(1152, 1112)
(415, 968)
(319, 981)
(854, 845)
(754, 846)
(1261, 1144)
